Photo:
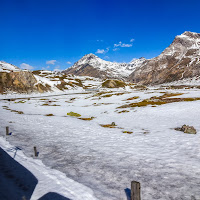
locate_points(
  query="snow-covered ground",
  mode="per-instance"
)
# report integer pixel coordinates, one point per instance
(43, 182)
(166, 162)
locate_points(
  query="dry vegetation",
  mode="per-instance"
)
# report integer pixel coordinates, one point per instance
(73, 114)
(49, 115)
(123, 111)
(155, 101)
(129, 132)
(132, 98)
(86, 119)
(108, 125)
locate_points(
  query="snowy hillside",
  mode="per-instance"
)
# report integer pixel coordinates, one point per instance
(6, 67)
(105, 68)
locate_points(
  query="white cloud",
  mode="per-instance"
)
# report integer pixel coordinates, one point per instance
(57, 68)
(69, 62)
(102, 51)
(107, 57)
(132, 40)
(115, 49)
(26, 66)
(120, 44)
(126, 45)
(45, 68)
(50, 62)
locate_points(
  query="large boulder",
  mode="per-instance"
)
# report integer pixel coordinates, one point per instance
(187, 129)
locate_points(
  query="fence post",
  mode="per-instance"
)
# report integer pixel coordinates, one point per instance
(135, 190)
(7, 130)
(35, 151)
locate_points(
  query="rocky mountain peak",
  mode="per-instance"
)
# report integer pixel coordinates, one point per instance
(193, 35)
(89, 57)
(178, 61)
(92, 65)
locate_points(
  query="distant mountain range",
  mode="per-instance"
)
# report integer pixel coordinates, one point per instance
(181, 60)
(92, 65)
(178, 61)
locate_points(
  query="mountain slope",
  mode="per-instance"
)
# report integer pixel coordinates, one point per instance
(13, 79)
(6, 67)
(180, 60)
(91, 65)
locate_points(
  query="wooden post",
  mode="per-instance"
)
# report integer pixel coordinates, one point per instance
(35, 151)
(7, 130)
(135, 190)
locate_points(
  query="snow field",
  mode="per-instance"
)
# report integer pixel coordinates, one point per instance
(165, 161)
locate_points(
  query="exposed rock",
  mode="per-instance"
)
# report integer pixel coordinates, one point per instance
(21, 81)
(180, 60)
(187, 129)
(113, 84)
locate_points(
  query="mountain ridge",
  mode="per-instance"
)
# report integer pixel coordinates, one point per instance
(179, 60)
(91, 64)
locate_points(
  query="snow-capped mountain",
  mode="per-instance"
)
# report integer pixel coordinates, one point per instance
(178, 61)
(92, 65)
(6, 67)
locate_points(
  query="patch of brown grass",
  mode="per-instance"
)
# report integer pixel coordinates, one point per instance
(45, 104)
(132, 98)
(129, 132)
(73, 114)
(140, 87)
(18, 112)
(86, 119)
(100, 93)
(49, 115)
(123, 111)
(164, 99)
(114, 94)
(108, 126)
(143, 103)
(167, 95)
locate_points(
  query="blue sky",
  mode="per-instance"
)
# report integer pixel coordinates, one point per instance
(56, 33)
